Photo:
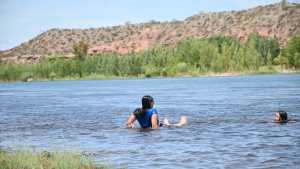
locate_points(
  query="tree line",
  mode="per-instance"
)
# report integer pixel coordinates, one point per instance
(192, 56)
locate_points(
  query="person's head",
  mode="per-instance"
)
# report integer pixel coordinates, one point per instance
(281, 116)
(147, 102)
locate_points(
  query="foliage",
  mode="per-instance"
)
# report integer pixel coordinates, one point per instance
(45, 160)
(80, 50)
(191, 57)
(292, 52)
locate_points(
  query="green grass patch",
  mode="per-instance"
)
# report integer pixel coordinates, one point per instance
(46, 160)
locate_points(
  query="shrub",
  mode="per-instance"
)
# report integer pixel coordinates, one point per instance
(80, 50)
(291, 52)
(182, 67)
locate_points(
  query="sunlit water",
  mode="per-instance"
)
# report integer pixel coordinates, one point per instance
(230, 121)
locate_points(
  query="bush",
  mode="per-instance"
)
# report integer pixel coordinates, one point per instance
(150, 70)
(182, 67)
(80, 50)
(291, 52)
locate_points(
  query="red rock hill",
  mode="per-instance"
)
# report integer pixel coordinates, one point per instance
(276, 20)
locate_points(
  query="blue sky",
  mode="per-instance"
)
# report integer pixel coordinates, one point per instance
(23, 20)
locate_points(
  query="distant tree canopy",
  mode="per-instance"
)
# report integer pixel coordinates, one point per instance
(191, 56)
(80, 50)
(221, 54)
(291, 53)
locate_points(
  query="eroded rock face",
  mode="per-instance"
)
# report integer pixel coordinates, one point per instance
(278, 20)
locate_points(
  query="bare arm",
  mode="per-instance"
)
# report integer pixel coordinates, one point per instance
(130, 120)
(183, 121)
(154, 121)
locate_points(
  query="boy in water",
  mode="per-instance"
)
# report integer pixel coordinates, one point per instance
(282, 117)
(147, 116)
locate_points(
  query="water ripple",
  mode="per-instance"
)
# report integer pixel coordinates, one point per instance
(230, 121)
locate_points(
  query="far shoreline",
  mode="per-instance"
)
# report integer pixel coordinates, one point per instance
(142, 77)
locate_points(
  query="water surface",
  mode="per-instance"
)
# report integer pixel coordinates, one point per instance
(230, 121)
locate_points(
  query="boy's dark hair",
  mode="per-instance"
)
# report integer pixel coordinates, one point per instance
(283, 115)
(146, 102)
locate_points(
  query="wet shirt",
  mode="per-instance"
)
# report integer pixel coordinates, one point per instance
(144, 119)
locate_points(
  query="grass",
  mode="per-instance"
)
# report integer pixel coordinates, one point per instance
(262, 70)
(45, 160)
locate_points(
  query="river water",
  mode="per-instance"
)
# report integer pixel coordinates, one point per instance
(230, 121)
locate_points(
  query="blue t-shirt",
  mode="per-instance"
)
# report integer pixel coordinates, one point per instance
(145, 118)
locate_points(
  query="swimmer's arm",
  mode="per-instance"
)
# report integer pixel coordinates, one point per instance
(154, 119)
(292, 120)
(288, 121)
(183, 121)
(130, 120)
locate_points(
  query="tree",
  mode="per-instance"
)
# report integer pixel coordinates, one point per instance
(292, 50)
(80, 50)
(252, 60)
(274, 49)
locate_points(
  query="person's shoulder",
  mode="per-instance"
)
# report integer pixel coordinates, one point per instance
(137, 111)
(153, 110)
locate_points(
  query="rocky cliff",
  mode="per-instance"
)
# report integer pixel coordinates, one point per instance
(276, 20)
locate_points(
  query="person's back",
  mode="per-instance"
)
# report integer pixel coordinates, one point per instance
(144, 117)
(147, 116)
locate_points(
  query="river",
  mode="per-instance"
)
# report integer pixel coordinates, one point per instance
(230, 121)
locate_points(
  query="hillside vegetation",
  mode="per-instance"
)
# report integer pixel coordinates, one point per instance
(191, 57)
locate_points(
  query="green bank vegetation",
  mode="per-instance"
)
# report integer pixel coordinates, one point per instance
(46, 160)
(190, 57)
